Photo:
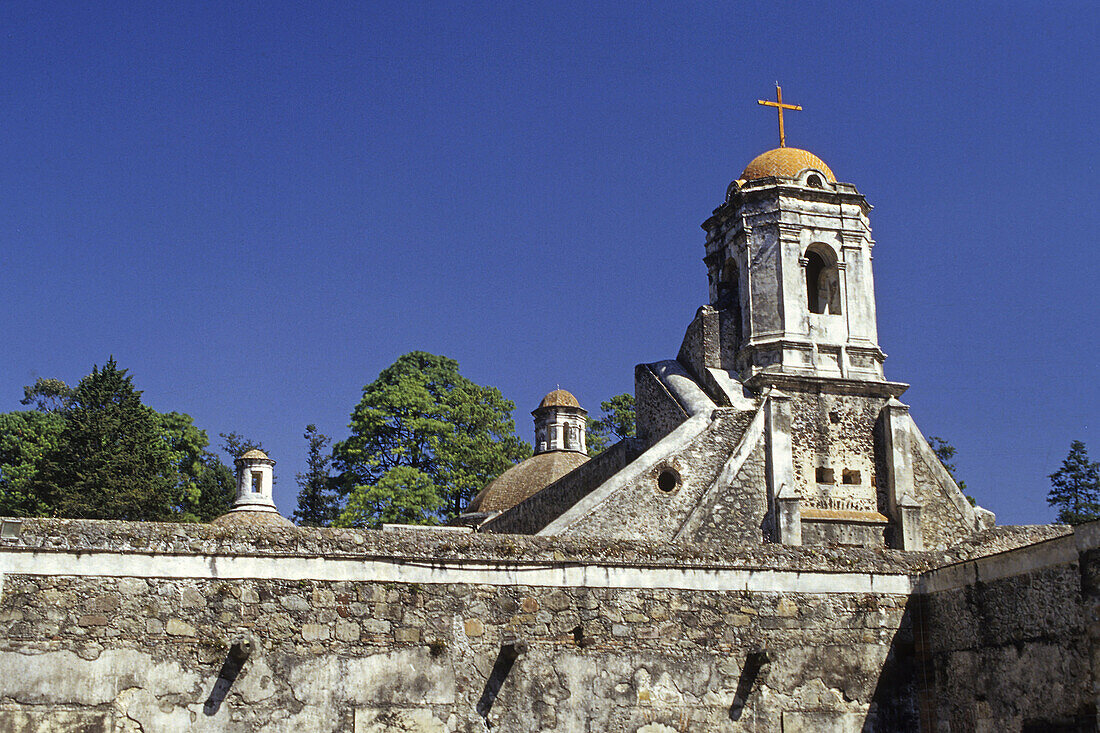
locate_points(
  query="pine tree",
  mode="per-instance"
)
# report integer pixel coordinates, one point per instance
(317, 500)
(110, 460)
(1075, 487)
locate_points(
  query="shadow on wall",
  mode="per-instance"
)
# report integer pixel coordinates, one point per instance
(231, 668)
(899, 692)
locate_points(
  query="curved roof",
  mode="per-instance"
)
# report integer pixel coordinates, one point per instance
(525, 479)
(785, 163)
(559, 398)
(254, 453)
(252, 519)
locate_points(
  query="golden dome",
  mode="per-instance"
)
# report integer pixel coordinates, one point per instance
(785, 163)
(255, 453)
(559, 398)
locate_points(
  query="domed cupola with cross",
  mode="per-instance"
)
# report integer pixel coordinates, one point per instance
(788, 258)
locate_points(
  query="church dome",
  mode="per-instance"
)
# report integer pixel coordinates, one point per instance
(559, 398)
(525, 479)
(784, 163)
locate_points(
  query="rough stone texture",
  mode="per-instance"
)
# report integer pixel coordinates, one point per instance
(537, 511)
(1009, 641)
(657, 411)
(643, 510)
(252, 519)
(736, 511)
(85, 536)
(941, 522)
(996, 540)
(525, 479)
(997, 640)
(596, 659)
(835, 432)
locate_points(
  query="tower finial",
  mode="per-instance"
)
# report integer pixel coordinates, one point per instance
(778, 104)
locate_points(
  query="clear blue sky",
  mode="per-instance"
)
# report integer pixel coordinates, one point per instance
(257, 207)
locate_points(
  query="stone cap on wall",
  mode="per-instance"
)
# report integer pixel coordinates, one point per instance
(44, 535)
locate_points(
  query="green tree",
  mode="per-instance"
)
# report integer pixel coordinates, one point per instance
(205, 483)
(25, 439)
(402, 495)
(47, 395)
(618, 422)
(236, 445)
(111, 460)
(217, 488)
(1075, 487)
(317, 499)
(424, 440)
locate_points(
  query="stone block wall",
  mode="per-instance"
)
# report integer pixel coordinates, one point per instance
(111, 626)
(155, 655)
(1008, 641)
(646, 508)
(117, 627)
(836, 432)
(658, 412)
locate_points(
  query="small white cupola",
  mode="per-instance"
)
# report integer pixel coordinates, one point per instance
(254, 503)
(560, 424)
(255, 479)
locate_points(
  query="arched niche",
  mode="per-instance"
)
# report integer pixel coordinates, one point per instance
(822, 280)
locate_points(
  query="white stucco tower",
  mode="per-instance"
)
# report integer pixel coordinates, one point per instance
(254, 503)
(560, 423)
(255, 479)
(789, 263)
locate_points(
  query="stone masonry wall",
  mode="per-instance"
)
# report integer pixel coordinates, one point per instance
(837, 432)
(1006, 641)
(134, 654)
(645, 511)
(941, 524)
(112, 626)
(737, 511)
(658, 412)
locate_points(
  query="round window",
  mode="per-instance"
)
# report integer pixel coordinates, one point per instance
(668, 480)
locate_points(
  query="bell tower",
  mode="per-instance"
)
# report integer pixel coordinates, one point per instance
(788, 258)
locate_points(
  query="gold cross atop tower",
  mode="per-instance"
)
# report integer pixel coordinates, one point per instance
(778, 104)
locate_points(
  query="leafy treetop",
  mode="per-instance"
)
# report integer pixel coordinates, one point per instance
(95, 450)
(317, 500)
(424, 440)
(618, 422)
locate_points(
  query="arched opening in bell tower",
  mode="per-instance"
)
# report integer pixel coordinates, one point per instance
(822, 281)
(728, 303)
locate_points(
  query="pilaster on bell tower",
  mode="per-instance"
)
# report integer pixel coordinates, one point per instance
(789, 264)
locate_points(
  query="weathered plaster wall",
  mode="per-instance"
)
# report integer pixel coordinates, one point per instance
(1009, 640)
(147, 654)
(754, 640)
(110, 626)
